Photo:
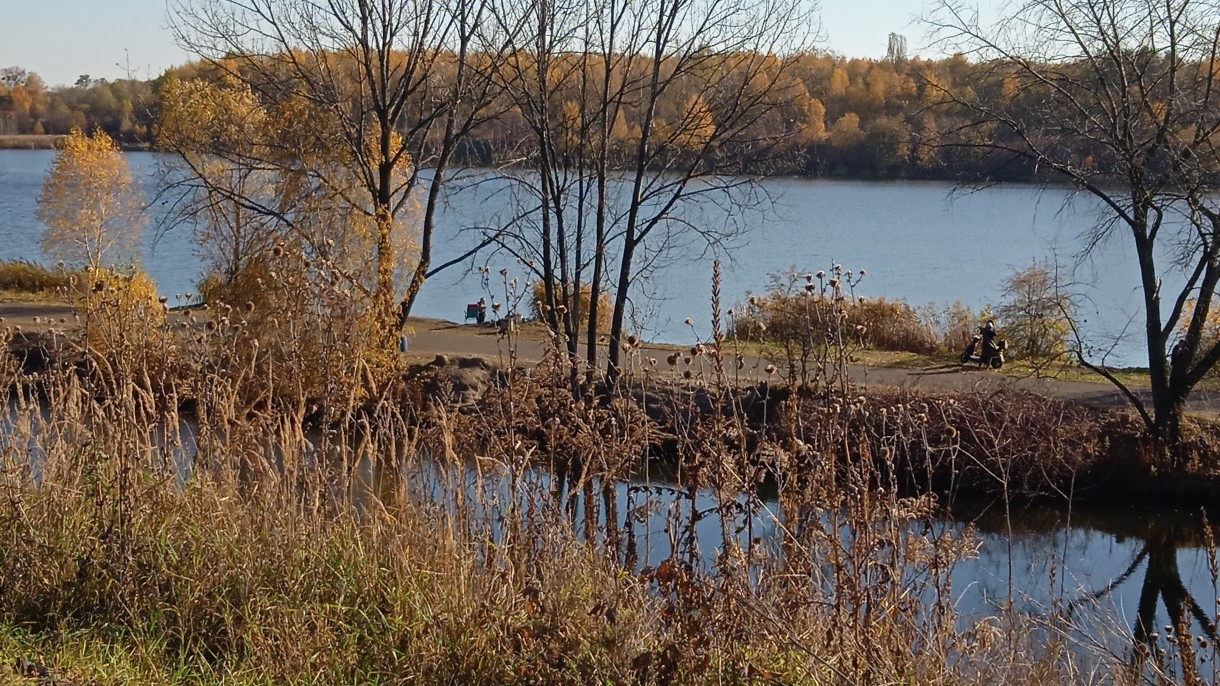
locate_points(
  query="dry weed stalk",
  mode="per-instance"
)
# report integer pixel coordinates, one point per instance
(232, 517)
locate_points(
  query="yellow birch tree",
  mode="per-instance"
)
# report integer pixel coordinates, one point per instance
(89, 203)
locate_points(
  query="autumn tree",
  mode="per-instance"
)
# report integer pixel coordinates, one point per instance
(1119, 99)
(90, 205)
(198, 118)
(696, 81)
(23, 101)
(1036, 312)
(368, 102)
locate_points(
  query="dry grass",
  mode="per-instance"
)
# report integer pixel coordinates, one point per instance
(356, 531)
(19, 276)
(538, 306)
(817, 310)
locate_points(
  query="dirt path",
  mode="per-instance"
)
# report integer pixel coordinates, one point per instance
(431, 337)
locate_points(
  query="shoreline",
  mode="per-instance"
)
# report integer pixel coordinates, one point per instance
(31, 141)
(429, 337)
(1084, 428)
(51, 141)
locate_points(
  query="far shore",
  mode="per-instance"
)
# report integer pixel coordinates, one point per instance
(31, 142)
(50, 141)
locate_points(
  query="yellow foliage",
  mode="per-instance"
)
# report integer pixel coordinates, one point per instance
(301, 320)
(1211, 328)
(839, 81)
(318, 175)
(120, 311)
(698, 125)
(846, 130)
(571, 120)
(586, 294)
(691, 130)
(90, 204)
(198, 115)
(813, 124)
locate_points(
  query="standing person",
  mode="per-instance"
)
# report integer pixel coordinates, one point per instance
(482, 310)
(989, 335)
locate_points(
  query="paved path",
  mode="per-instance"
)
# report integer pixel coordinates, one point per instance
(431, 337)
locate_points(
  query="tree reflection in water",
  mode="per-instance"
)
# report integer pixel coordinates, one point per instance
(1155, 539)
(1162, 539)
(1163, 578)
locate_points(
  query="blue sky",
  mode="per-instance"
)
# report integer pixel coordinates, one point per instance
(62, 39)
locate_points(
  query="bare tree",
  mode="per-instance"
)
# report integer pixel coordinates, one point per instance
(370, 100)
(647, 118)
(1118, 98)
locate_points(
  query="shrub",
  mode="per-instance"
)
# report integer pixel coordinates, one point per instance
(1035, 313)
(298, 320)
(956, 324)
(892, 325)
(28, 277)
(604, 306)
(817, 312)
(115, 305)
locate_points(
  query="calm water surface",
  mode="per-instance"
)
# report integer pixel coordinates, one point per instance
(918, 241)
(921, 242)
(1090, 572)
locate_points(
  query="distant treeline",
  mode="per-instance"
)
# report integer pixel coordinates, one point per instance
(860, 118)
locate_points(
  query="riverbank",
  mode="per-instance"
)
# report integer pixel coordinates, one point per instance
(53, 142)
(180, 500)
(1047, 437)
(431, 337)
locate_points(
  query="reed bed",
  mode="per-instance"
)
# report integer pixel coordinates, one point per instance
(811, 311)
(192, 506)
(30, 141)
(30, 278)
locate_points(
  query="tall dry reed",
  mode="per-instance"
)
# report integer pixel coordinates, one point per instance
(188, 496)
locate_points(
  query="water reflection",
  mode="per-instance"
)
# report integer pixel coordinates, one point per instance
(1111, 576)
(1117, 575)
(1163, 579)
(1111, 570)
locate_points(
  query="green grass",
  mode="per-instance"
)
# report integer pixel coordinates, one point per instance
(81, 657)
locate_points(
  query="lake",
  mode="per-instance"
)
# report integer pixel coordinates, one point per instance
(1088, 574)
(924, 242)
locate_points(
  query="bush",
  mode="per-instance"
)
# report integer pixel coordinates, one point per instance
(604, 306)
(298, 320)
(818, 312)
(28, 277)
(892, 325)
(121, 312)
(956, 324)
(1035, 313)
